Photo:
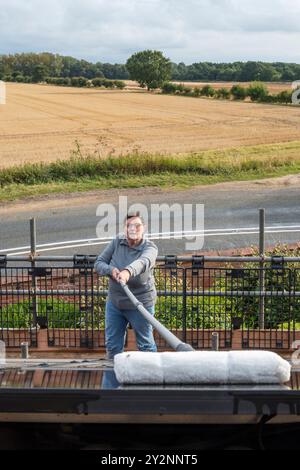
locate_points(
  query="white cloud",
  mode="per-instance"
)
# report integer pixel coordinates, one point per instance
(194, 30)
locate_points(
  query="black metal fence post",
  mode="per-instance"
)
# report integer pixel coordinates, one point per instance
(33, 265)
(262, 271)
(184, 306)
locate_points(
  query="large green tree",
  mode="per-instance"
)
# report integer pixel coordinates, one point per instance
(149, 68)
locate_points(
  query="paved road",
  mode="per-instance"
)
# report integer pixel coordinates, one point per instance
(226, 206)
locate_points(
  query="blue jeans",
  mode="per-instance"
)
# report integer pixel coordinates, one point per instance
(116, 322)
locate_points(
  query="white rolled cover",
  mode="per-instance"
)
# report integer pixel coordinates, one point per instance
(201, 367)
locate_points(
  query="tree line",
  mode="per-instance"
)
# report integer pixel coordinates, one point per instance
(236, 71)
(32, 67)
(36, 67)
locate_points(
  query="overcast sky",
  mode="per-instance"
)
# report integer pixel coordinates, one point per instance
(185, 30)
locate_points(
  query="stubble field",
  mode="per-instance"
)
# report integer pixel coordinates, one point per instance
(42, 123)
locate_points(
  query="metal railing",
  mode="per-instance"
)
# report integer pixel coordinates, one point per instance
(198, 296)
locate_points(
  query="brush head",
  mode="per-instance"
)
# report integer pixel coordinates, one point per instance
(201, 367)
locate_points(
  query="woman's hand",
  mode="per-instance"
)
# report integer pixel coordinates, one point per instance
(124, 276)
(115, 274)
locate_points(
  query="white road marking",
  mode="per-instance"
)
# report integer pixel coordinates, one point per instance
(219, 232)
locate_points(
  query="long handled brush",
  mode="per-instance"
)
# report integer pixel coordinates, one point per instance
(171, 339)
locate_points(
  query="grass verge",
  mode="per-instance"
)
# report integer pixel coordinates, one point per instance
(89, 172)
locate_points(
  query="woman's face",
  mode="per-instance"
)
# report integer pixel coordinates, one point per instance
(134, 229)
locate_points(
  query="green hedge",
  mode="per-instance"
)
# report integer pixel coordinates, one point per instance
(70, 81)
(257, 92)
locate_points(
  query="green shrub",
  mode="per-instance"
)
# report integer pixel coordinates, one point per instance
(169, 88)
(238, 92)
(284, 97)
(19, 78)
(269, 99)
(97, 82)
(119, 84)
(222, 93)
(188, 90)
(79, 81)
(108, 84)
(207, 90)
(257, 91)
(60, 313)
(196, 92)
(103, 82)
(180, 88)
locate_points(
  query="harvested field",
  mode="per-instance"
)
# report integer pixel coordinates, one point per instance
(42, 123)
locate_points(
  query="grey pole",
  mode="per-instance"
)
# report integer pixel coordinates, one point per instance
(171, 339)
(261, 265)
(33, 236)
(24, 350)
(215, 341)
